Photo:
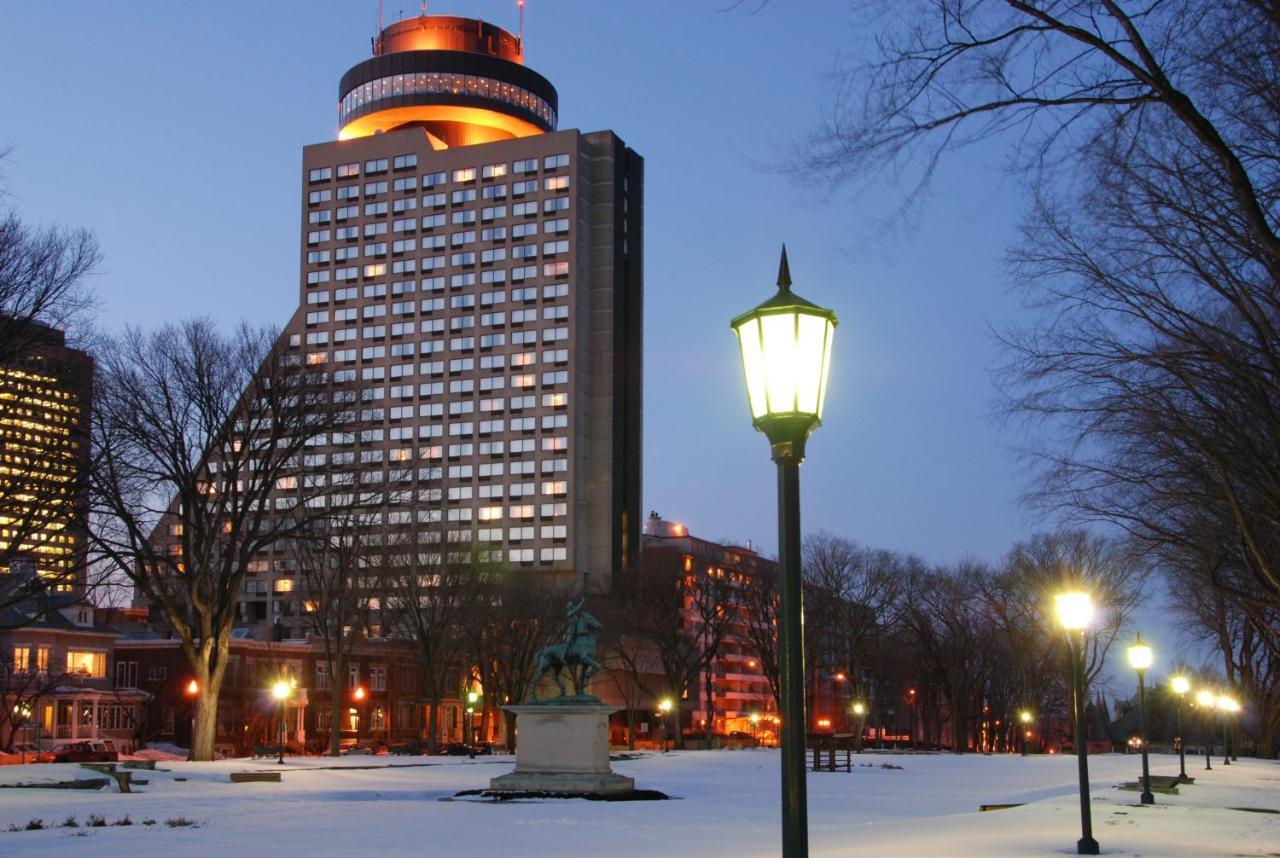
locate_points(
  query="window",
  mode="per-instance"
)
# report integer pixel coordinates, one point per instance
(87, 663)
(527, 166)
(552, 162)
(405, 162)
(346, 171)
(320, 174)
(378, 677)
(466, 175)
(493, 171)
(377, 165)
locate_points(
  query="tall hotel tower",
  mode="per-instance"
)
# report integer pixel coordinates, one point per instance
(479, 274)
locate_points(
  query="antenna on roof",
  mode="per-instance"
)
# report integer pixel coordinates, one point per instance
(520, 36)
(377, 40)
(424, 9)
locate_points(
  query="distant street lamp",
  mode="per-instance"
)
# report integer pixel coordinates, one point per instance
(1207, 701)
(193, 691)
(280, 691)
(1025, 717)
(859, 712)
(786, 355)
(21, 718)
(472, 698)
(664, 709)
(1227, 707)
(1180, 686)
(1140, 657)
(1075, 611)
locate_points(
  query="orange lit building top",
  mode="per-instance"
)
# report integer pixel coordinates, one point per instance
(462, 80)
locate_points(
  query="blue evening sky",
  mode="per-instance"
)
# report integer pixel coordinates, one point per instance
(175, 130)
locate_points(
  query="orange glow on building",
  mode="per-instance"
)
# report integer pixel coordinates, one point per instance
(469, 125)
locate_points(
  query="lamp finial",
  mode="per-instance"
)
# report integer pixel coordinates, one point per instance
(784, 272)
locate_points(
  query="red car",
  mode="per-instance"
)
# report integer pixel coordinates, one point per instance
(88, 751)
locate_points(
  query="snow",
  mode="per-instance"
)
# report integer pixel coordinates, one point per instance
(728, 805)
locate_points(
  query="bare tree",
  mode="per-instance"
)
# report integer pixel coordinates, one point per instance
(339, 559)
(197, 441)
(43, 289)
(433, 583)
(515, 616)
(1148, 136)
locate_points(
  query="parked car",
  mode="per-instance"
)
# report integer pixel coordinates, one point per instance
(86, 751)
(462, 749)
(357, 751)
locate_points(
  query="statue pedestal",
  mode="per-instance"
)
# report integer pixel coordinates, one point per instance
(562, 748)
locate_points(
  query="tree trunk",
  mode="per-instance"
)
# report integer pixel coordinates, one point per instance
(631, 728)
(709, 707)
(675, 724)
(509, 718)
(433, 726)
(335, 717)
(205, 734)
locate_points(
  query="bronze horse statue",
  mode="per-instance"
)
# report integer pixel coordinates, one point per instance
(575, 653)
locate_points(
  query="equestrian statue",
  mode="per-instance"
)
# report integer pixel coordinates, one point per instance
(576, 654)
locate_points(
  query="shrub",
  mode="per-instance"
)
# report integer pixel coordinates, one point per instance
(70, 822)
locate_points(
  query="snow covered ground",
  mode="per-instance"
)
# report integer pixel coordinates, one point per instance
(728, 806)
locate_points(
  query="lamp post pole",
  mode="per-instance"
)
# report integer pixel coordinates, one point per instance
(1181, 685)
(1086, 845)
(795, 824)
(1147, 797)
(1140, 658)
(786, 352)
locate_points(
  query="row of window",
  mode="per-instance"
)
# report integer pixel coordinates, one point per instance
(430, 180)
(552, 226)
(409, 184)
(526, 209)
(490, 276)
(430, 83)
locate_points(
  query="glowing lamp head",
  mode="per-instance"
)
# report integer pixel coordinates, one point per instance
(359, 693)
(472, 697)
(1228, 704)
(1206, 699)
(1024, 716)
(1074, 610)
(755, 718)
(193, 688)
(1140, 655)
(280, 690)
(664, 705)
(786, 356)
(1180, 685)
(859, 709)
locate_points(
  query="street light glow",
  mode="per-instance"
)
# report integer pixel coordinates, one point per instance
(1025, 716)
(1074, 610)
(1206, 698)
(859, 709)
(193, 688)
(1180, 684)
(664, 705)
(280, 690)
(1140, 656)
(1228, 704)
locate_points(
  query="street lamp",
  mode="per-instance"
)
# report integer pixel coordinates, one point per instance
(21, 718)
(1207, 701)
(1180, 685)
(786, 354)
(859, 712)
(472, 697)
(1227, 706)
(280, 691)
(1075, 611)
(1140, 657)
(193, 691)
(1025, 717)
(664, 709)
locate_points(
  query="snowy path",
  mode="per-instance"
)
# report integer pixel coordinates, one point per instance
(728, 807)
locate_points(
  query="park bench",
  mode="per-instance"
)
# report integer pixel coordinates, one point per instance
(255, 777)
(1165, 784)
(147, 765)
(824, 751)
(265, 751)
(104, 768)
